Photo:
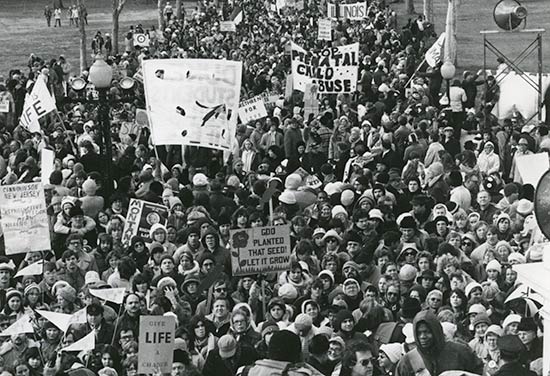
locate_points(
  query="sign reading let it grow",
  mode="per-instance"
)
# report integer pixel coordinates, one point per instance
(260, 250)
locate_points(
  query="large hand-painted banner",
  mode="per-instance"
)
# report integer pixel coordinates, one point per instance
(193, 101)
(516, 92)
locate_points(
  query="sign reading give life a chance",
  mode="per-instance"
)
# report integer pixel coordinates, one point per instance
(260, 250)
(156, 344)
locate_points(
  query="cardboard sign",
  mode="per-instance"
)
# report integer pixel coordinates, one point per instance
(47, 165)
(311, 104)
(24, 219)
(142, 215)
(228, 26)
(334, 70)
(4, 106)
(252, 109)
(37, 105)
(260, 250)
(127, 128)
(354, 12)
(325, 29)
(156, 344)
(141, 40)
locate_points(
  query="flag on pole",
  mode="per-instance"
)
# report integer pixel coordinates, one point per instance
(23, 325)
(114, 295)
(38, 104)
(32, 269)
(79, 317)
(86, 343)
(61, 320)
(237, 15)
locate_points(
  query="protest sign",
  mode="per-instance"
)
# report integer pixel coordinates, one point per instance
(24, 219)
(531, 167)
(355, 12)
(47, 157)
(156, 344)
(311, 104)
(4, 106)
(37, 104)
(260, 250)
(433, 55)
(127, 128)
(228, 26)
(193, 101)
(142, 215)
(252, 109)
(517, 94)
(325, 29)
(333, 69)
(296, 4)
(141, 40)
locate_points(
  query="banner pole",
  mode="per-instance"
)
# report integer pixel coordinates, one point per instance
(116, 324)
(415, 72)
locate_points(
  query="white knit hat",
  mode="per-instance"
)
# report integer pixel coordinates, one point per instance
(394, 351)
(494, 265)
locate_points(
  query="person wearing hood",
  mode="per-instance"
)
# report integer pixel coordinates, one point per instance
(138, 252)
(488, 161)
(211, 244)
(435, 183)
(159, 234)
(345, 327)
(433, 353)
(242, 327)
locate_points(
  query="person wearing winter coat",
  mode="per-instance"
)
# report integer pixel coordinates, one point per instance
(488, 161)
(433, 353)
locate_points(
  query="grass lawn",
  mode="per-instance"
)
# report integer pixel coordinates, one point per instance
(23, 29)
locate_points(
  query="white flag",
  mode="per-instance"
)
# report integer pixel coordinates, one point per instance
(32, 269)
(84, 344)
(115, 295)
(23, 325)
(79, 317)
(61, 320)
(433, 55)
(37, 104)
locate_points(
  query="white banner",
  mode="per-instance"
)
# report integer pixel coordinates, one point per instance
(193, 101)
(37, 104)
(141, 40)
(517, 95)
(433, 55)
(354, 12)
(24, 219)
(333, 69)
(228, 26)
(531, 167)
(252, 109)
(296, 4)
(325, 28)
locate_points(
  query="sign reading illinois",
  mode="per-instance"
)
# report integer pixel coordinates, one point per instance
(260, 250)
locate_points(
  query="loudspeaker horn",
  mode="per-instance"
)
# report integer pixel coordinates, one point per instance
(509, 14)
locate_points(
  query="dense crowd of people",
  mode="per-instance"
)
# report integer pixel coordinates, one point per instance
(403, 234)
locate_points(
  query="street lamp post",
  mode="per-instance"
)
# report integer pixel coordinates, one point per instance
(101, 75)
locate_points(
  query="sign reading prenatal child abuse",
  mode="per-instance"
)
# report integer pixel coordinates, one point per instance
(24, 219)
(260, 250)
(333, 69)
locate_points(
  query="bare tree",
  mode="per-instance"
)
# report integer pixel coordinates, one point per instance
(161, 13)
(82, 32)
(118, 5)
(410, 6)
(178, 9)
(429, 10)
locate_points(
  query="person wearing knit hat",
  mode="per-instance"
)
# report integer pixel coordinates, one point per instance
(511, 323)
(32, 295)
(407, 273)
(524, 207)
(390, 354)
(66, 296)
(527, 333)
(515, 258)
(474, 292)
(339, 211)
(493, 270)
(287, 292)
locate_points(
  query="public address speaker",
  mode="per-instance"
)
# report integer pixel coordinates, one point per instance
(509, 14)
